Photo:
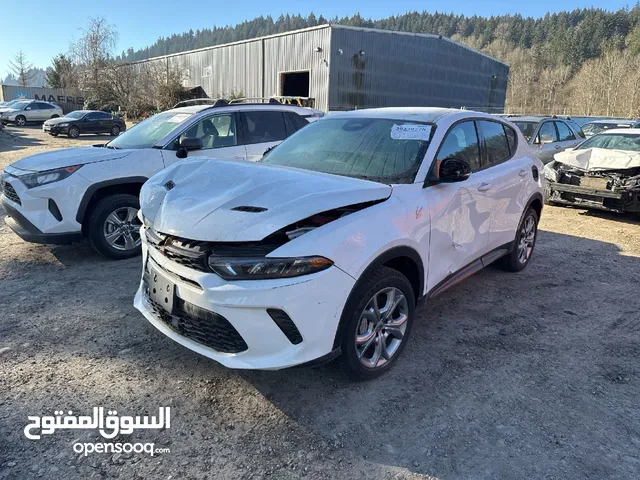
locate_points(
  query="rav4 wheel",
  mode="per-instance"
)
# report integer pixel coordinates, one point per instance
(379, 319)
(526, 237)
(21, 121)
(74, 132)
(114, 228)
(115, 131)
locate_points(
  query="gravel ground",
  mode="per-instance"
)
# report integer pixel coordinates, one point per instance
(530, 375)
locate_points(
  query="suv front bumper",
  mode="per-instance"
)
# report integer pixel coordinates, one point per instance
(229, 323)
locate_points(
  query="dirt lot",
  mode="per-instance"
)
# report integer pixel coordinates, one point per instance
(530, 375)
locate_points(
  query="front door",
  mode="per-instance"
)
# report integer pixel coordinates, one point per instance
(219, 135)
(566, 137)
(460, 212)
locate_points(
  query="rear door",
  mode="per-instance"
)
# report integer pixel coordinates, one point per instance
(32, 112)
(509, 174)
(91, 123)
(461, 211)
(547, 143)
(219, 136)
(261, 130)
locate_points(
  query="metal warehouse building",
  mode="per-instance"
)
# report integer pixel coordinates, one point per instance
(344, 68)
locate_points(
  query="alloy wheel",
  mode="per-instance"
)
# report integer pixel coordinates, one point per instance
(121, 229)
(381, 327)
(21, 121)
(527, 239)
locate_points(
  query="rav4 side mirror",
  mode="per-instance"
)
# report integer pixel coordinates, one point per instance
(453, 170)
(187, 145)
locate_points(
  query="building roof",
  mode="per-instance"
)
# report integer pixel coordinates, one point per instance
(320, 27)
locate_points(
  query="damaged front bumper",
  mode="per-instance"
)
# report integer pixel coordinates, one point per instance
(609, 190)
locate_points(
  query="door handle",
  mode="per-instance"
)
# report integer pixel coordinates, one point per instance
(522, 172)
(484, 186)
(238, 157)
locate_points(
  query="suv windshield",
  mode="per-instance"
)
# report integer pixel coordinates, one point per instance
(527, 128)
(613, 141)
(150, 131)
(382, 150)
(593, 128)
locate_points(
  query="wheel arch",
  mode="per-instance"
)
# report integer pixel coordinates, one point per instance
(404, 259)
(100, 190)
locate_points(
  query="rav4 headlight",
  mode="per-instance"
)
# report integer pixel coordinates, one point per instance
(266, 268)
(48, 176)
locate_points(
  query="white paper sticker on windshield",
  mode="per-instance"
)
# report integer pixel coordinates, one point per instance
(178, 118)
(411, 132)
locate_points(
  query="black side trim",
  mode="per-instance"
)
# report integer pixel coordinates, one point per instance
(332, 355)
(390, 254)
(30, 233)
(84, 203)
(470, 269)
(55, 211)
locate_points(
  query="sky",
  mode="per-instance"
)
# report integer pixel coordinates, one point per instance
(42, 29)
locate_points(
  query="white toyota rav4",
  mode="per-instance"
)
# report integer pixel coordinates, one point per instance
(326, 246)
(63, 196)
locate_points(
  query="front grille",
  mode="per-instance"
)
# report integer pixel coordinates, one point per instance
(201, 326)
(10, 193)
(194, 253)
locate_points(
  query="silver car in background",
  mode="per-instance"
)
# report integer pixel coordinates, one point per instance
(549, 135)
(25, 111)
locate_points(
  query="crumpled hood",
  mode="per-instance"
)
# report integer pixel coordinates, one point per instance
(203, 193)
(67, 157)
(598, 159)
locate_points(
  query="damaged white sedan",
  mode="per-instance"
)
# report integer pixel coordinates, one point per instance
(326, 246)
(602, 173)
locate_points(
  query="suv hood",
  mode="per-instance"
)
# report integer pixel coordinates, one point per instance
(68, 157)
(196, 199)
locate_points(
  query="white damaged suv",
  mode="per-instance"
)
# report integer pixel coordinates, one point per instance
(326, 247)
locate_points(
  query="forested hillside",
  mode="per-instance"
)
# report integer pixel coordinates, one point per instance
(586, 61)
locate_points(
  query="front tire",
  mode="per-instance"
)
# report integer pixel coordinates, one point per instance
(21, 120)
(74, 132)
(114, 228)
(379, 322)
(526, 237)
(53, 134)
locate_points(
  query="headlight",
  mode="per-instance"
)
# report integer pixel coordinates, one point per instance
(63, 125)
(266, 268)
(550, 173)
(48, 176)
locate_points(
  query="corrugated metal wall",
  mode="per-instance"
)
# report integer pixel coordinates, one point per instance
(69, 100)
(299, 52)
(410, 70)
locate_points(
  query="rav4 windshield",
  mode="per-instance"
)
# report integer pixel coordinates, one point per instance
(150, 131)
(382, 150)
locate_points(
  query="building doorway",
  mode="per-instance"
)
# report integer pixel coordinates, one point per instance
(294, 84)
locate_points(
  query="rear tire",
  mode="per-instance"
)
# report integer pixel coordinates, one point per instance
(372, 342)
(55, 116)
(115, 131)
(114, 228)
(21, 120)
(525, 243)
(74, 132)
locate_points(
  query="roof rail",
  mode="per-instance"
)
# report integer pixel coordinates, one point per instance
(219, 102)
(254, 100)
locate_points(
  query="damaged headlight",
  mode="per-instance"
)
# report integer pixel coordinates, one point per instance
(550, 173)
(266, 268)
(48, 176)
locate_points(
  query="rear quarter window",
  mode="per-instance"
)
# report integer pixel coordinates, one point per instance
(495, 142)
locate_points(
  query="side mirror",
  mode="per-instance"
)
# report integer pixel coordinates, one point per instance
(547, 138)
(28, 108)
(453, 170)
(187, 145)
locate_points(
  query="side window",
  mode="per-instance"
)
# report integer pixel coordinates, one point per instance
(92, 117)
(298, 120)
(547, 130)
(564, 132)
(264, 127)
(47, 106)
(495, 142)
(218, 131)
(462, 143)
(511, 138)
(294, 122)
(102, 116)
(32, 106)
